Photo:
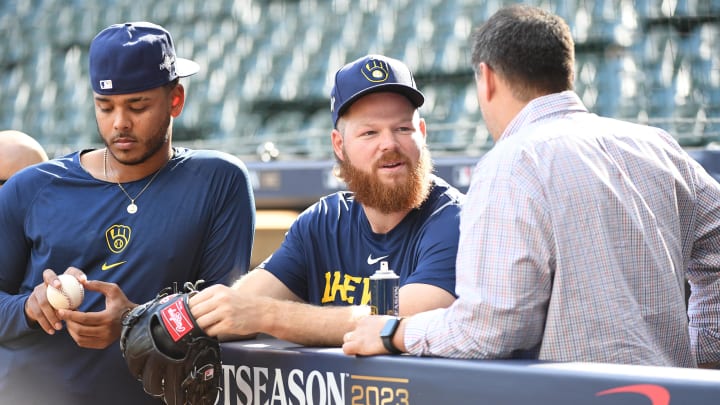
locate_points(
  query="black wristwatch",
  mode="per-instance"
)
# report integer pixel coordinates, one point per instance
(387, 333)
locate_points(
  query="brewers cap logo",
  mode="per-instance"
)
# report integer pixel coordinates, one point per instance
(376, 71)
(117, 237)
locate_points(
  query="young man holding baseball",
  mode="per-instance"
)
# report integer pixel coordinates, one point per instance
(128, 220)
(313, 288)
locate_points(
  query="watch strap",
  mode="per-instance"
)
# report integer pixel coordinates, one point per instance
(387, 337)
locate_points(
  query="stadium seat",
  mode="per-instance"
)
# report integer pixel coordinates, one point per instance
(315, 135)
(282, 53)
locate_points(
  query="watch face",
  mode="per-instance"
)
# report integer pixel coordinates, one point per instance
(390, 327)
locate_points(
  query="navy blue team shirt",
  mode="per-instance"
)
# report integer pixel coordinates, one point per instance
(330, 251)
(195, 221)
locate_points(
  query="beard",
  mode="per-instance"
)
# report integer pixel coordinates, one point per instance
(402, 195)
(152, 146)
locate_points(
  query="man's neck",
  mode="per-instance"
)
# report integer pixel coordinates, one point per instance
(383, 223)
(125, 173)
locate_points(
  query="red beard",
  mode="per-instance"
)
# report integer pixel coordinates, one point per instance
(388, 198)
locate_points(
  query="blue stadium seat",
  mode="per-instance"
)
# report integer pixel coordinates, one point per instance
(653, 9)
(246, 127)
(13, 36)
(282, 52)
(648, 9)
(315, 135)
(446, 105)
(660, 49)
(281, 125)
(451, 41)
(620, 81)
(706, 56)
(586, 77)
(712, 112)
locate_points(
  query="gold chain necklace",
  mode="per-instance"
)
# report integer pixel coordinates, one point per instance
(132, 208)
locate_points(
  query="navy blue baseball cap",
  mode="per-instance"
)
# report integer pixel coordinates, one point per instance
(135, 56)
(370, 74)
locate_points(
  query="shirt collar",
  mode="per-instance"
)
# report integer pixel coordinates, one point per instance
(541, 108)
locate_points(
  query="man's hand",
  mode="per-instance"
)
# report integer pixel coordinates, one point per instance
(365, 339)
(98, 330)
(37, 308)
(223, 311)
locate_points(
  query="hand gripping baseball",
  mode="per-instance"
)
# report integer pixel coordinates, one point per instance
(70, 294)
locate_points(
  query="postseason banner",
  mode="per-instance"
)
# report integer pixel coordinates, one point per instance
(272, 372)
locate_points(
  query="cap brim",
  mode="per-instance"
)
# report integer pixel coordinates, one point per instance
(414, 95)
(185, 67)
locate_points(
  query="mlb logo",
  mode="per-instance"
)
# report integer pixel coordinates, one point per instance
(106, 84)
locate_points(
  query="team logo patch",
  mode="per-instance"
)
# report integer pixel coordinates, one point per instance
(176, 320)
(117, 237)
(376, 71)
(106, 84)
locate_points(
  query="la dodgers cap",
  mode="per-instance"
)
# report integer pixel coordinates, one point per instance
(135, 56)
(370, 74)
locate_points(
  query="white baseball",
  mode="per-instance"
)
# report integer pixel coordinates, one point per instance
(69, 296)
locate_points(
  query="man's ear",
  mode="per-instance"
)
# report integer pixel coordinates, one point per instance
(177, 100)
(486, 82)
(337, 142)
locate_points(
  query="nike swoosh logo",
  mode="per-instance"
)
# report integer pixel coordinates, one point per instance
(372, 261)
(106, 266)
(657, 394)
